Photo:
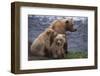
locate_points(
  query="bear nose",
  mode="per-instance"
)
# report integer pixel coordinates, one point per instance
(75, 29)
(58, 42)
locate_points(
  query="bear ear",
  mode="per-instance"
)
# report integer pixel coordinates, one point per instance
(64, 35)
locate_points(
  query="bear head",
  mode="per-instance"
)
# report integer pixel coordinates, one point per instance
(60, 39)
(69, 25)
(51, 32)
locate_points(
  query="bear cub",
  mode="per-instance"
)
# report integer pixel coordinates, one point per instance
(57, 50)
(42, 43)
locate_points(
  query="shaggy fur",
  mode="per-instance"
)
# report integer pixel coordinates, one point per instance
(42, 43)
(61, 26)
(56, 49)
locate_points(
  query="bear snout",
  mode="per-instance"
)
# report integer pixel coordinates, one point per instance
(59, 42)
(73, 30)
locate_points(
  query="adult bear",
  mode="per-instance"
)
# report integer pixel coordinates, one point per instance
(61, 26)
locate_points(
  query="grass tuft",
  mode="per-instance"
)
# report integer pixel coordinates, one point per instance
(76, 55)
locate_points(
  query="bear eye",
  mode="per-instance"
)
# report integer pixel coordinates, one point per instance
(67, 21)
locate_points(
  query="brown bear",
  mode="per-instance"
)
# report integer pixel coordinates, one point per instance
(61, 26)
(42, 42)
(56, 49)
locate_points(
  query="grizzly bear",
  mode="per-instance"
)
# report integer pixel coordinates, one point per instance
(61, 26)
(42, 42)
(56, 49)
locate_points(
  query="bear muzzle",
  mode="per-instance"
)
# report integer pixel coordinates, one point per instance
(73, 30)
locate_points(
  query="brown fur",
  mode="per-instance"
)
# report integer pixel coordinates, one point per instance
(56, 48)
(61, 26)
(42, 42)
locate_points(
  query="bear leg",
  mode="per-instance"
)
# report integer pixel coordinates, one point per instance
(65, 48)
